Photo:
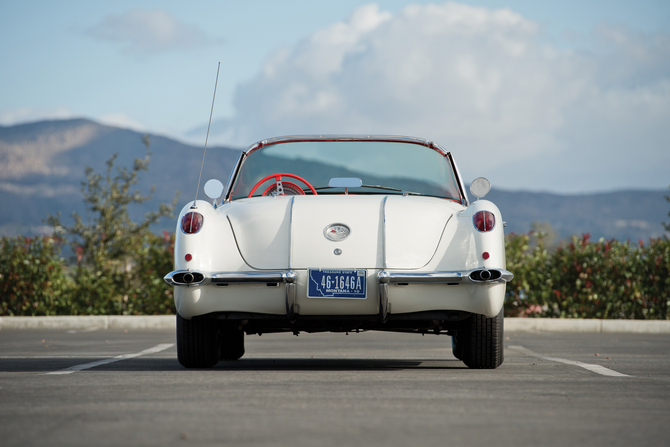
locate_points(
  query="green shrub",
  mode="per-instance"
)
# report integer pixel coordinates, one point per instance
(149, 294)
(604, 279)
(119, 263)
(32, 277)
(132, 286)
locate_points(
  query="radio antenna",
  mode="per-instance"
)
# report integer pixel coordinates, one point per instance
(202, 165)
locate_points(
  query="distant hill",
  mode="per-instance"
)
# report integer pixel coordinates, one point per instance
(620, 215)
(42, 165)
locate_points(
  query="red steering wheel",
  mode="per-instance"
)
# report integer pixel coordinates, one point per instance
(280, 186)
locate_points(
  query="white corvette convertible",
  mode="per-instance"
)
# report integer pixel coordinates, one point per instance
(335, 234)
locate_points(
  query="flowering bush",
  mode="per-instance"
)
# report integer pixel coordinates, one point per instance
(582, 279)
(118, 264)
(148, 294)
(32, 277)
(585, 279)
(35, 280)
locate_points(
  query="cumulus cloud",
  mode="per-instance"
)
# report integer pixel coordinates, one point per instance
(149, 31)
(483, 83)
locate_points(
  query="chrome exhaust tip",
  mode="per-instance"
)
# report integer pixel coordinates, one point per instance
(184, 278)
(485, 275)
(188, 278)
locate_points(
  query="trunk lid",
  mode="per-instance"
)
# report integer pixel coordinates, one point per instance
(385, 231)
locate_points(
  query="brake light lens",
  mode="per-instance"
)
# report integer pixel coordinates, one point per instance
(191, 222)
(484, 221)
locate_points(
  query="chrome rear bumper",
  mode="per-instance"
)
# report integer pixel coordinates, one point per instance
(192, 278)
(189, 278)
(474, 276)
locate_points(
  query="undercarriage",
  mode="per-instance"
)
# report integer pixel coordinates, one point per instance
(435, 322)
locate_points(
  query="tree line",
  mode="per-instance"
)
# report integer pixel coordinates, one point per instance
(117, 265)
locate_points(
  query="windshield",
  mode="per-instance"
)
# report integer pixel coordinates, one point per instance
(383, 167)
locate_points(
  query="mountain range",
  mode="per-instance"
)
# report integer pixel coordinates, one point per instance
(42, 165)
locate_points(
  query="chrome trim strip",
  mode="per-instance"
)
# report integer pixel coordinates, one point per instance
(290, 234)
(308, 138)
(278, 276)
(384, 232)
(383, 301)
(459, 179)
(386, 277)
(233, 177)
(290, 301)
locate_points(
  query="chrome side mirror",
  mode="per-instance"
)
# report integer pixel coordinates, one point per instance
(480, 187)
(213, 189)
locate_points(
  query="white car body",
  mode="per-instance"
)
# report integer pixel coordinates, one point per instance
(427, 268)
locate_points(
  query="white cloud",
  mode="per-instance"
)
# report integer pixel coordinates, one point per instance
(10, 117)
(149, 31)
(483, 83)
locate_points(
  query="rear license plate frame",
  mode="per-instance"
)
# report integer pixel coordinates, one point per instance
(325, 283)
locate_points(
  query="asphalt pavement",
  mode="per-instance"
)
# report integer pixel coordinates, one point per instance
(109, 387)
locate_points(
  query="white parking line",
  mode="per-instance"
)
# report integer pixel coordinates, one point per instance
(32, 357)
(75, 368)
(593, 368)
(89, 329)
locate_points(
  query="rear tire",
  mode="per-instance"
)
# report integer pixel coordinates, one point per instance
(198, 342)
(232, 341)
(482, 341)
(457, 345)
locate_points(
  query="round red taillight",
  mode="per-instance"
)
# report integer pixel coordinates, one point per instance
(486, 255)
(191, 222)
(188, 257)
(484, 221)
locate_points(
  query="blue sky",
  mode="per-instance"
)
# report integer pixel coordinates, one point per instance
(550, 95)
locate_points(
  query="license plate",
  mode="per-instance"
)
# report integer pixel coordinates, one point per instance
(335, 283)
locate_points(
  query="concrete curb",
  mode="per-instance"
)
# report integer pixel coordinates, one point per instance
(90, 321)
(584, 325)
(168, 322)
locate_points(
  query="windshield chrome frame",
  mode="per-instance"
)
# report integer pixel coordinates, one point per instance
(331, 138)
